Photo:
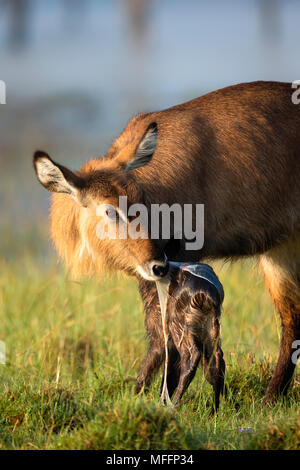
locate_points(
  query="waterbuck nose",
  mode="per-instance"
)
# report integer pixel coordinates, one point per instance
(159, 269)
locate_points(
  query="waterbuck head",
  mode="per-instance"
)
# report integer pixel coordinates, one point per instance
(91, 230)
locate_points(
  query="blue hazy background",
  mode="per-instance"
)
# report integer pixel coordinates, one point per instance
(77, 71)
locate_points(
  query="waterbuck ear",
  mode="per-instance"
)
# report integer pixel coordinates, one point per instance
(54, 177)
(145, 149)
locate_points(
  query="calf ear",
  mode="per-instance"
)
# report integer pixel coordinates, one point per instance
(145, 148)
(203, 301)
(54, 177)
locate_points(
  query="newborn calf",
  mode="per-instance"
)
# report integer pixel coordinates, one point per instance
(193, 324)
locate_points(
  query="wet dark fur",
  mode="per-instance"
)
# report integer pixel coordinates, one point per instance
(193, 323)
(194, 311)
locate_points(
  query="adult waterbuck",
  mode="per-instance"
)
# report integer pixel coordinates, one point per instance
(237, 151)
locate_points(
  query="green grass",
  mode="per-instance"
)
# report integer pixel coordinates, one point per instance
(73, 351)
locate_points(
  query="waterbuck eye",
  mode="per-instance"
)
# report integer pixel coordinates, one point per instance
(111, 213)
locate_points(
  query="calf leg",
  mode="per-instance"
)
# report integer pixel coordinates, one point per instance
(281, 267)
(214, 370)
(188, 366)
(151, 364)
(215, 376)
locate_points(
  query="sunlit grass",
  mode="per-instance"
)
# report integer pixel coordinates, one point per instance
(74, 348)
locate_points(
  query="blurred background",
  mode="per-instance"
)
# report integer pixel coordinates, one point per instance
(76, 71)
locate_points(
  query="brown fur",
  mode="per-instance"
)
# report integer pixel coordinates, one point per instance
(73, 228)
(236, 150)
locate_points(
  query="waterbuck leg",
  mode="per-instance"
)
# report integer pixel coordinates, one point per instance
(284, 370)
(281, 267)
(155, 354)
